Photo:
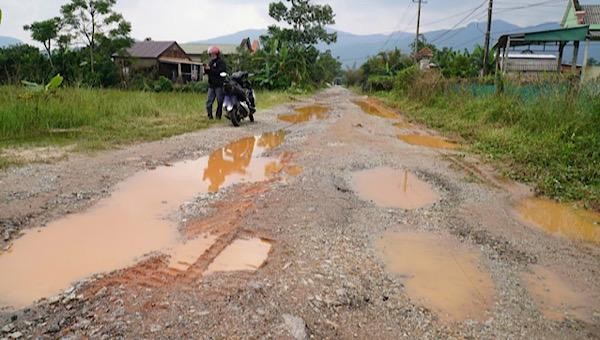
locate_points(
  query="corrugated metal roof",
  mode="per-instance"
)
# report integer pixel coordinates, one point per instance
(195, 49)
(592, 14)
(149, 49)
(530, 56)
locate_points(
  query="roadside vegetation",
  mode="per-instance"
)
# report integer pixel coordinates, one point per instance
(541, 130)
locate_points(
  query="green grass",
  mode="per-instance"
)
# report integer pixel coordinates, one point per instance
(551, 141)
(95, 119)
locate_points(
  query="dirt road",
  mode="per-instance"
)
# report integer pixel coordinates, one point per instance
(312, 223)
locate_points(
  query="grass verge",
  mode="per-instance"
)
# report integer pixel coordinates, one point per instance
(551, 141)
(94, 119)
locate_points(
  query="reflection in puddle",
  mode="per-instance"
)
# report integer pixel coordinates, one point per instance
(241, 255)
(428, 141)
(556, 298)
(443, 275)
(392, 188)
(374, 108)
(130, 223)
(562, 219)
(306, 113)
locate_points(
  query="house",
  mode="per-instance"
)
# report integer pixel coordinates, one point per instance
(198, 52)
(424, 57)
(162, 58)
(581, 23)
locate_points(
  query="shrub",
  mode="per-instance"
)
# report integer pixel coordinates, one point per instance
(163, 84)
(380, 83)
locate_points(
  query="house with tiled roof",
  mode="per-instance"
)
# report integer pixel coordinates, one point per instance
(161, 58)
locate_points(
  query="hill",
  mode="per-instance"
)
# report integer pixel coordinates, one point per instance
(7, 41)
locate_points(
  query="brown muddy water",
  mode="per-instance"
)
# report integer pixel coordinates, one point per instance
(440, 273)
(132, 222)
(374, 108)
(556, 297)
(393, 188)
(561, 219)
(429, 141)
(241, 255)
(306, 113)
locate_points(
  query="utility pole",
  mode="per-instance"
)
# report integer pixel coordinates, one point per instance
(486, 52)
(418, 27)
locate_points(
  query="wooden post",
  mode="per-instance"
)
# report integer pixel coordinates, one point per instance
(586, 56)
(505, 59)
(575, 55)
(561, 50)
(179, 78)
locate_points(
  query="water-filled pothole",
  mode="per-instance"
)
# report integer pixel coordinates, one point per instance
(439, 273)
(374, 108)
(561, 219)
(557, 298)
(306, 113)
(393, 188)
(429, 141)
(132, 222)
(241, 255)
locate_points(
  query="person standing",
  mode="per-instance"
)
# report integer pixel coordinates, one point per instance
(214, 68)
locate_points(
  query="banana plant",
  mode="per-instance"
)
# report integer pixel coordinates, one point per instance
(52, 85)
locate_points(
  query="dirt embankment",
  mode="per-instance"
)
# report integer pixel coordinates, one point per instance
(332, 222)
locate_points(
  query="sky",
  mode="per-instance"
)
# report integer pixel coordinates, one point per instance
(189, 20)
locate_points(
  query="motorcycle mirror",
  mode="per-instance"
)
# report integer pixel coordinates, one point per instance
(223, 74)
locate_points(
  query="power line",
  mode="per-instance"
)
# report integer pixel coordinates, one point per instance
(471, 13)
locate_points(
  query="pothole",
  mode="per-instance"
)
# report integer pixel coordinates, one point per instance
(439, 273)
(557, 298)
(429, 141)
(306, 113)
(241, 255)
(374, 108)
(132, 222)
(561, 219)
(185, 254)
(393, 188)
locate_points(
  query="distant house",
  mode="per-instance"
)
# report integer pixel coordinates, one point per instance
(424, 57)
(198, 52)
(163, 58)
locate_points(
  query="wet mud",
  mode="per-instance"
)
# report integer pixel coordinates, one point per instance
(429, 141)
(306, 113)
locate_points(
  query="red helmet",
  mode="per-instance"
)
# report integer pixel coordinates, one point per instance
(215, 50)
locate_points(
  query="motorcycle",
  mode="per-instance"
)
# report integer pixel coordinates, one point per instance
(239, 100)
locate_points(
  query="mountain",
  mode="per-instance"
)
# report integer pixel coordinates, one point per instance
(354, 49)
(7, 41)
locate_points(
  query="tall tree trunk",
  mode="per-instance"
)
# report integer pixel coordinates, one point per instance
(48, 47)
(92, 41)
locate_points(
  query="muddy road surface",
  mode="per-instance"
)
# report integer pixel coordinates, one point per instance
(329, 218)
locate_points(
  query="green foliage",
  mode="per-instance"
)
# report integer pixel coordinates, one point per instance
(163, 84)
(380, 83)
(52, 85)
(45, 32)
(385, 64)
(23, 62)
(307, 22)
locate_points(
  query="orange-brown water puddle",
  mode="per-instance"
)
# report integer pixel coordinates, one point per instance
(132, 222)
(401, 125)
(440, 273)
(241, 255)
(556, 298)
(393, 188)
(306, 113)
(561, 219)
(374, 108)
(187, 253)
(429, 141)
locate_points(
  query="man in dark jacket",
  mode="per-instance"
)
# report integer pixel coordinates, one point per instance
(214, 68)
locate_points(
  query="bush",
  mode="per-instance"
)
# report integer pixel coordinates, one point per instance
(406, 78)
(380, 83)
(163, 84)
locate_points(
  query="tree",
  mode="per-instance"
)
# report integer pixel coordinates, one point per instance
(89, 20)
(44, 32)
(307, 22)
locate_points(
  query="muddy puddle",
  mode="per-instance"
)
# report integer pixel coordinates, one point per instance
(401, 125)
(306, 113)
(429, 141)
(241, 255)
(557, 298)
(132, 222)
(185, 254)
(374, 108)
(561, 219)
(393, 188)
(440, 273)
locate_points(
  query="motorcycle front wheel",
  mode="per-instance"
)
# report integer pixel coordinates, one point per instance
(233, 116)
